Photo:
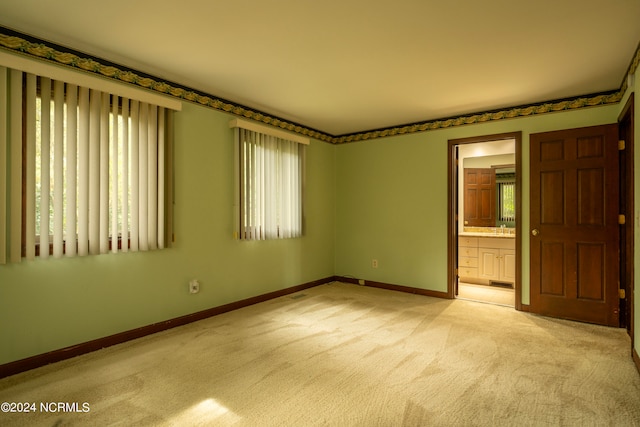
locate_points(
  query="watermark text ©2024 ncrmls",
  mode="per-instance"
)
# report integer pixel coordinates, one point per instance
(53, 407)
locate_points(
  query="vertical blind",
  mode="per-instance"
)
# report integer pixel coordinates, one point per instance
(506, 194)
(94, 168)
(270, 186)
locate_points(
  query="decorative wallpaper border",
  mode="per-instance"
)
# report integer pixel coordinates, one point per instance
(41, 50)
(511, 113)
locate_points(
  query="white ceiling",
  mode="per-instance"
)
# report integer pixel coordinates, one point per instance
(345, 66)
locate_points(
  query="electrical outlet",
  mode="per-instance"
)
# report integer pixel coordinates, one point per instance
(374, 263)
(361, 282)
(194, 287)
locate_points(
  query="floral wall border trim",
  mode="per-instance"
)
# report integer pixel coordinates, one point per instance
(509, 113)
(44, 51)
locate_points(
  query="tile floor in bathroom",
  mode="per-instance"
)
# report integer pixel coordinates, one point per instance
(487, 294)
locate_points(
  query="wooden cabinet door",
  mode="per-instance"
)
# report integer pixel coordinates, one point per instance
(489, 263)
(508, 265)
(480, 197)
(574, 237)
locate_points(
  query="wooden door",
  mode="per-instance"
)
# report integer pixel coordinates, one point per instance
(574, 224)
(480, 197)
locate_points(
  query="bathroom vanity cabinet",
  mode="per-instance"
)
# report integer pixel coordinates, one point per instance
(486, 259)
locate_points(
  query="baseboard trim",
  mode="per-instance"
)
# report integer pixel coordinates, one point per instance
(392, 287)
(39, 360)
(636, 358)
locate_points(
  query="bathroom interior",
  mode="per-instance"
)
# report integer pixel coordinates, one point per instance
(486, 222)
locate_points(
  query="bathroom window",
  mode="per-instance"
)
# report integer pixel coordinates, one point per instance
(506, 199)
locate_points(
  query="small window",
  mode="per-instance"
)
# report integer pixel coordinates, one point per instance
(506, 199)
(269, 193)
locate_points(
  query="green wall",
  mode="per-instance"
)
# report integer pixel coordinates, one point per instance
(392, 199)
(51, 304)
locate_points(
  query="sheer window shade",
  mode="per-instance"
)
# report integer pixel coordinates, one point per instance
(269, 184)
(94, 170)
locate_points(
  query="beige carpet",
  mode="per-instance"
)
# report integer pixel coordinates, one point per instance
(345, 355)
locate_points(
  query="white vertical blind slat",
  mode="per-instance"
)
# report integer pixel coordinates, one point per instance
(245, 183)
(115, 171)
(125, 174)
(260, 185)
(300, 190)
(15, 151)
(45, 165)
(58, 168)
(248, 184)
(143, 150)
(84, 132)
(299, 178)
(30, 187)
(71, 204)
(152, 173)
(104, 173)
(284, 190)
(271, 189)
(135, 175)
(94, 172)
(15, 179)
(161, 178)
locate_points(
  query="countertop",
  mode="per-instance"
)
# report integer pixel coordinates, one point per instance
(492, 235)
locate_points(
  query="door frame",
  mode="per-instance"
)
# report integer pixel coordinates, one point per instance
(452, 210)
(627, 194)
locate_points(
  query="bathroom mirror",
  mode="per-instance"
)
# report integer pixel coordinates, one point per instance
(489, 196)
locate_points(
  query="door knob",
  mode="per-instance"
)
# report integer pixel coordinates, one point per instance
(535, 232)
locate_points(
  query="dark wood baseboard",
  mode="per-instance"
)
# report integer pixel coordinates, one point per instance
(399, 288)
(39, 360)
(636, 358)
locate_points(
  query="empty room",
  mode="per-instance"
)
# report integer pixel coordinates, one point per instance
(319, 213)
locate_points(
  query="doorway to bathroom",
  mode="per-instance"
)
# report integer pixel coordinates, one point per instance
(484, 184)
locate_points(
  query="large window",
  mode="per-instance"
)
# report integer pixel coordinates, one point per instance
(93, 168)
(270, 178)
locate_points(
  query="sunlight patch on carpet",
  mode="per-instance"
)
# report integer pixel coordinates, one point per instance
(205, 411)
